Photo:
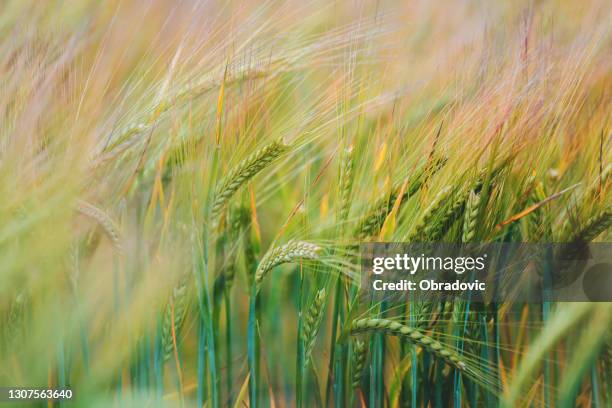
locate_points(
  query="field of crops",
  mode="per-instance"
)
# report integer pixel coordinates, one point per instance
(184, 186)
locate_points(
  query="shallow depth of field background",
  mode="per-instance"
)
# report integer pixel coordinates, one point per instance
(182, 184)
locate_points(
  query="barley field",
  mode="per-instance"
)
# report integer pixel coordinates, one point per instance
(184, 186)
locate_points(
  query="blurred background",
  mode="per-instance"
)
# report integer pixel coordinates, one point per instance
(123, 123)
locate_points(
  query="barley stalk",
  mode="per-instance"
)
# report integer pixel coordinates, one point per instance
(250, 250)
(589, 344)
(237, 222)
(606, 363)
(592, 193)
(557, 328)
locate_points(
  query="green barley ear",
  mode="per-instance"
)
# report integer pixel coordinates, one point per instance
(447, 310)
(424, 227)
(423, 314)
(238, 218)
(594, 227)
(178, 301)
(243, 172)
(346, 184)
(440, 226)
(411, 334)
(471, 217)
(104, 221)
(537, 225)
(239, 235)
(591, 195)
(312, 321)
(290, 252)
(372, 221)
(359, 359)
